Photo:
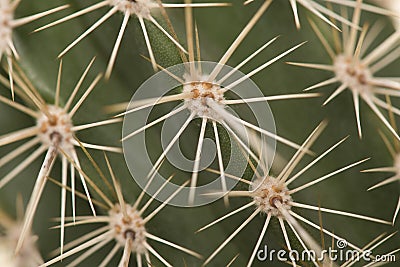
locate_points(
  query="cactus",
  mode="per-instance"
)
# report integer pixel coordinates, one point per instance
(281, 47)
